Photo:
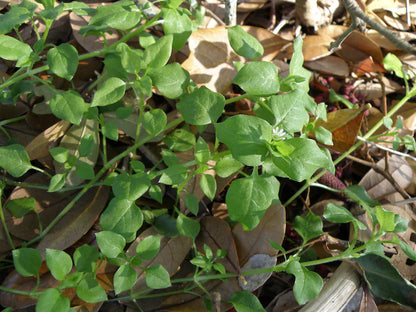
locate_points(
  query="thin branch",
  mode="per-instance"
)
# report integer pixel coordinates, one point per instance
(357, 14)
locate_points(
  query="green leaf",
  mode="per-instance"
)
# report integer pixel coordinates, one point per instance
(86, 146)
(338, 214)
(244, 44)
(178, 24)
(296, 65)
(84, 170)
(154, 121)
(111, 244)
(245, 301)
(191, 202)
(20, 206)
(289, 110)
(208, 185)
(110, 131)
(131, 60)
(258, 78)
(16, 16)
(169, 158)
(157, 277)
(247, 137)
(323, 135)
(226, 166)
(385, 219)
(59, 154)
(308, 284)
(158, 54)
(27, 261)
(305, 158)
(57, 182)
(180, 140)
(385, 281)
(155, 192)
(90, 290)
(173, 175)
(51, 300)
(69, 106)
(110, 92)
(143, 85)
(131, 186)
(166, 225)
(202, 152)
(405, 247)
(392, 63)
(85, 258)
(12, 49)
(63, 60)
(124, 278)
(59, 263)
(171, 80)
(358, 194)
(248, 198)
(14, 159)
(309, 226)
(149, 247)
(201, 107)
(120, 15)
(187, 226)
(122, 216)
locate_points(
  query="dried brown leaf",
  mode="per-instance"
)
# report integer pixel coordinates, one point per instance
(271, 227)
(77, 221)
(48, 206)
(331, 65)
(316, 46)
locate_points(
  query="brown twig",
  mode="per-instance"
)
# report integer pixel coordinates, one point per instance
(357, 16)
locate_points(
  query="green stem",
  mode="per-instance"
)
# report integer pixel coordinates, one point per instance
(3, 221)
(237, 98)
(100, 173)
(11, 120)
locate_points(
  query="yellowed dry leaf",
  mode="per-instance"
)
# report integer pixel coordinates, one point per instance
(210, 62)
(39, 146)
(272, 226)
(77, 221)
(357, 47)
(331, 65)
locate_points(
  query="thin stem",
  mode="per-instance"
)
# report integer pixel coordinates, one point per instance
(237, 98)
(11, 120)
(100, 173)
(3, 221)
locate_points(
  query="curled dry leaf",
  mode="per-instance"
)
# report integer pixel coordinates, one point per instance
(371, 90)
(378, 187)
(72, 140)
(344, 125)
(272, 226)
(210, 62)
(48, 206)
(77, 221)
(39, 146)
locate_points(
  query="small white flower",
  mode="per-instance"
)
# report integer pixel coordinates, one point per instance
(278, 134)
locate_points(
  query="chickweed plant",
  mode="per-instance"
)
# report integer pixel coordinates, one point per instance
(275, 143)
